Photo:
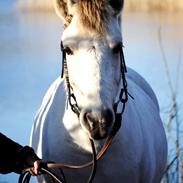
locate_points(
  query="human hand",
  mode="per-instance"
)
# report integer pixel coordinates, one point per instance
(35, 170)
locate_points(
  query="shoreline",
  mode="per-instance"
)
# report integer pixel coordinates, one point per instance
(129, 6)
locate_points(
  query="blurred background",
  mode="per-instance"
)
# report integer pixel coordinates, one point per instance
(30, 60)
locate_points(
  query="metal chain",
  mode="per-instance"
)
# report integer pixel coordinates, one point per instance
(71, 97)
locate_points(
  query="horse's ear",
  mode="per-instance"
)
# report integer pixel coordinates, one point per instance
(61, 8)
(117, 5)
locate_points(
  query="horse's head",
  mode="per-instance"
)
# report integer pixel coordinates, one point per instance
(92, 41)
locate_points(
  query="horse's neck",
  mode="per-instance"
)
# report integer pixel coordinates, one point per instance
(74, 129)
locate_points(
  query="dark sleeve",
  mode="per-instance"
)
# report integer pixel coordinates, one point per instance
(14, 157)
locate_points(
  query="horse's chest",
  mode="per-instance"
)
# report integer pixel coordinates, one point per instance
(112, 167)
(116, 167)
(107, 172)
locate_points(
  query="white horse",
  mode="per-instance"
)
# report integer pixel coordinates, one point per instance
(92, 42)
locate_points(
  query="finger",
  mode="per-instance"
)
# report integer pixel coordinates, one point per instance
(32, 172)
(37, 168)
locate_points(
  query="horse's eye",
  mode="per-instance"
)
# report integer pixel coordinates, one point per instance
(117, 48)
(68, 51)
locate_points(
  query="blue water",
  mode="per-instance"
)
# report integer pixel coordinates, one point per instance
(30, 61)
(6, 5)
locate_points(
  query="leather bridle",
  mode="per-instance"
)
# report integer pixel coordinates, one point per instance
(123, 97)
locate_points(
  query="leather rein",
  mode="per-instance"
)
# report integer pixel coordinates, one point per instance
(123, 97)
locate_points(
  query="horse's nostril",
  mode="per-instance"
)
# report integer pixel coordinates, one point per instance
(102, 119)
(97, 122)
(89, 119)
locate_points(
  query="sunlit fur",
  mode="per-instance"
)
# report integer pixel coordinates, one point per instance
(138, 152)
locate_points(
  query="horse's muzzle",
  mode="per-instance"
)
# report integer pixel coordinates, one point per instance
(97, 122)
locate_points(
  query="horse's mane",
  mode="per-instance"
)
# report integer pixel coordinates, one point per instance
(94, 14)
